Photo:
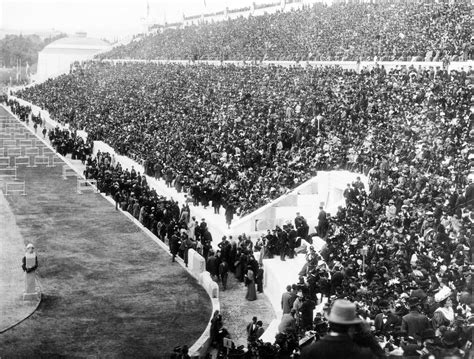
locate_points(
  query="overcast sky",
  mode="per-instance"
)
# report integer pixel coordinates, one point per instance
(100, 18)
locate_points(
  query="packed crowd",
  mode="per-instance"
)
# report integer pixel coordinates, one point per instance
(413, 284)
(242, 136)
(239, 137)
(398, 31)
(404, 259)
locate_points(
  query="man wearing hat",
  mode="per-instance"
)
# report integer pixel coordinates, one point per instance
(414, 323)
(340, 341)
(386, 321)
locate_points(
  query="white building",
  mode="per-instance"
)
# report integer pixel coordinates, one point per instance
(56, 58)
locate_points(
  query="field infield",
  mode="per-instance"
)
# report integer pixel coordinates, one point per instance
(108, 290)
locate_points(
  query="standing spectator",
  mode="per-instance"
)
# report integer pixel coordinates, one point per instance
(259, 278)
(323, 223)
(229, 214)
(286, 299)
(340, 342)
(259, 331)
(251, 330)
(212, 264)
(288, 323)
(224, 273)
(306, 313)
(414, 323)
(174, 246)
(250, 282)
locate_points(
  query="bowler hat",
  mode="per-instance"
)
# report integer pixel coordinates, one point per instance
(343, 312)
(413, 301)
(383, 304)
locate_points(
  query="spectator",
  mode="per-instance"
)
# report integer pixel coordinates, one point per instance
(286, 299)
(340, 342)
(414, 323)
(288, 323)
(250, 283)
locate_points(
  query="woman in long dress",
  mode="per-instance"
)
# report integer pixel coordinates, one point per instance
(29, 265)
(250, 280)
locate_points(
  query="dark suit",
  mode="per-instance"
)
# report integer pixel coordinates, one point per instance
(251, 331)
(336, 347)
(414, 323)
(323, 224)
(224, 273)
(285, 302)
(259, 280)
(259, 332)
(393, 321)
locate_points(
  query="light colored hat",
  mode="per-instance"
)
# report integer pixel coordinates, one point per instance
(443, 294)
(343, 312)
(30, 246)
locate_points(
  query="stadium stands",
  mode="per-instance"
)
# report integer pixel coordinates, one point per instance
(388, 31)
(240, 136)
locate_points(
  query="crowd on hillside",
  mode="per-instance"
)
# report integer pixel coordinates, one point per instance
(242, 136)
(388, 31)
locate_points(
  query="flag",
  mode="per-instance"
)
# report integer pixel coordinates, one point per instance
(205, 5)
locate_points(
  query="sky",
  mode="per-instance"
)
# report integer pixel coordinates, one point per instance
(110, 19)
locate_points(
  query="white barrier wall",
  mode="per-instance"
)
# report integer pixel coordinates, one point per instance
(197, 267)
(197, 264)
(352, 65)
(325, 189)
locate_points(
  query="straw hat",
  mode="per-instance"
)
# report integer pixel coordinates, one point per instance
(343, 312)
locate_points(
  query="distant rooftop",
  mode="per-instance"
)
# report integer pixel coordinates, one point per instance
(78, 41)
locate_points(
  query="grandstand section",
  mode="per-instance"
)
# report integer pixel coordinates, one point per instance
(383, 30)
(263, 121)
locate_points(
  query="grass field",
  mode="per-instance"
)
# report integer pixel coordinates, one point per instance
(108, 290)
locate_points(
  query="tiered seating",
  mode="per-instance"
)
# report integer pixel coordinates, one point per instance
(386, 30)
